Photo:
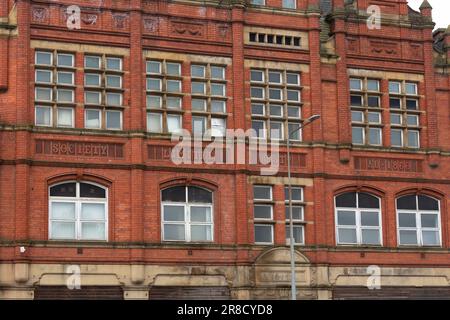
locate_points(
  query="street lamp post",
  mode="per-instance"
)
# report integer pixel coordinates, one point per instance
(291, 224)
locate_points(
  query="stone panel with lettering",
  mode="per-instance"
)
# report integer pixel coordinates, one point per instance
(387, 164)
(79, 149)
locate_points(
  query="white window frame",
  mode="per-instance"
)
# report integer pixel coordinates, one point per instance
(43, 70)
(69, 90)
(160, 122)
(363, 136)
(51, 116)
(91, 103)
(106, 119)
(115, 76)
(78, 201)
(418, 214)
(360, 84)
(65, 54)
(93, 56)
(38, 88)
(178, 74)
(203, 67)
(114, 105)
(402, 138)
(224, 89)
(113, 58)
(358, 227)
(187, 216)
(259, 71)
(100, 118)
(264, 225)
(263, 93)
(72, 120)
(44, 52)
(223, 72)
(380, 136)
(153, 61)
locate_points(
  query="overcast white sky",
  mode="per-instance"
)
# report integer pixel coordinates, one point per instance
(441, 11)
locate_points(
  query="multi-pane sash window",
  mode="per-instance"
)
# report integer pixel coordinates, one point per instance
(103, 92)
(209, 99)
(263, 214)
(290, 4)
(418, 221)
(365, 105)
(164, 96)
(358, 219)
(404, 112)
(187, 214)
(275, 103)
(298, 218)
(54, 93)
(78, 211)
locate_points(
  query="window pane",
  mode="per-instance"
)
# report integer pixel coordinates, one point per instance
(430, 238)
(43, 76)
(346, 200)
(297, 194)
(93, 231)
(92, 119)
(356, 100)
(63, 211)
(153, 101)
(92, 79)
(65, 77)
(427, 203)
(366, 200)
(174, 102)
(199, 195)
(412, 104)
(258, 109)
(173, 69)
(294, 132)
(374, 117)
(259, 128)
(263, 233)
(355, 84)
(43, 116)
(174, 232)
(346, 235)
(201, 233)
(43, 94)
(217, 72)
(275, 94)
(217, 89)
(429, 220)
(289, 4)
(262, 192)
(113, 120)
(293, 112)
(218, 106)
(198, 87)
(396, 118)
(407, 220)
(396, 138)
(173, 123)
(408, 237)
(154, 67)
(370, 236)
(197, 71)
(411, 88)
(293, 78)
(357, 116)
(258, 2)
(412, 120)
(297, 212)
(173, 86)
(154, 84)
(373, 102)
(92, 211)
(373, 85)
(298, 234)
(257, 93)
(375, 136)
(394, 87)
(174, 194)
(200, 214)
(263, 212)
(154, 122)
(413, 139)
(257, 75)
(218, 127)
(198, 125)
(198, 104)
(113, 99)
(65, 60)
(92, 62)
(43, 58)
(370, 219)
(114, 64)
(173, 213)
(63, 230)
(63, 190)
(358, 135)
(64, 95)
(113, 81)
(346, 218)
(275, 77)
(65, 117)
(395, 103)
(407, 202)
(276, 130)
(293, 95)
(91, 191)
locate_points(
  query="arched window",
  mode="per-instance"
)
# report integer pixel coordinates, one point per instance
(78, 211)
(187, 214)
(418, 221)
(358, 219)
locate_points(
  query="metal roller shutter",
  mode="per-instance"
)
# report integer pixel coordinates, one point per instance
(189, 293)
(85, 293)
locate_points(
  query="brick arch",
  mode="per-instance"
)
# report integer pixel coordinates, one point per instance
(423, 191)
(359, 188)
(187, 181)
(77, 176)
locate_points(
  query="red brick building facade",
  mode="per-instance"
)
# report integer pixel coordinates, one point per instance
(87, 104)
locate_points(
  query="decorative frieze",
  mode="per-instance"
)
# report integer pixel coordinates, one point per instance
(79, 149)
